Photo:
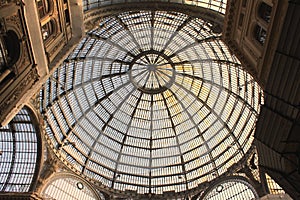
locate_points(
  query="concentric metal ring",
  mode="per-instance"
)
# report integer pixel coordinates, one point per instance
(152, 72)
(151, 101)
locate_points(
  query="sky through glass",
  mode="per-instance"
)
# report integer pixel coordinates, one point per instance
(151, 101)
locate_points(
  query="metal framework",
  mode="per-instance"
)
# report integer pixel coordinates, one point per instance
(151, 101)
(274, 188)
(216, 5)
(19, 154)
(68, 186)
(231, 188)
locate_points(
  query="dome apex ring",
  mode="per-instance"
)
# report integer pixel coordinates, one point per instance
(152, 72)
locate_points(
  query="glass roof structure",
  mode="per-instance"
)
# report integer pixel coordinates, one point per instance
(68, 188)
(151, 101)
(19, 154)
(274, 187)
(232, 188)
(216, 5)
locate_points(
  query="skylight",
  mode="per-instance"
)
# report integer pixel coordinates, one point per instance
(153, 102)
(18, 146)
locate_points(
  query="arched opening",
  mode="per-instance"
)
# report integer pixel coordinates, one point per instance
(260, 34)
(69, 187)
(12, 45)
(230, 188)
(19, 153)
(48, 30)
(44, 7)
(265, 11)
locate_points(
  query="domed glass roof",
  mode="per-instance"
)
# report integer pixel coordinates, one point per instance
(151, 101)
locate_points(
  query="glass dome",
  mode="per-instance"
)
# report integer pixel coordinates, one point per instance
(151, 101)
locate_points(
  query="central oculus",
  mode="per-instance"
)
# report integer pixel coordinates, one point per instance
(152, 72)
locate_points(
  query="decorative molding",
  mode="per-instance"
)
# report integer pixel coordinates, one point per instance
(16, 23)
(228, 37)
(14, 20)
(17, 93)
(35, 102)
(55, 50)
(50, 166)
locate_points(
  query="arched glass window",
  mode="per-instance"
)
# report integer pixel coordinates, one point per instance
(18, 154)
(265, 11)
(43, 7)
(48, 29)
(260, 34)
(232, 188)
(69, 187)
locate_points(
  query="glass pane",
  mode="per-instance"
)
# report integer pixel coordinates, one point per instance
(69, 188)
(18, 147)
(151, 101)
(231, 189)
